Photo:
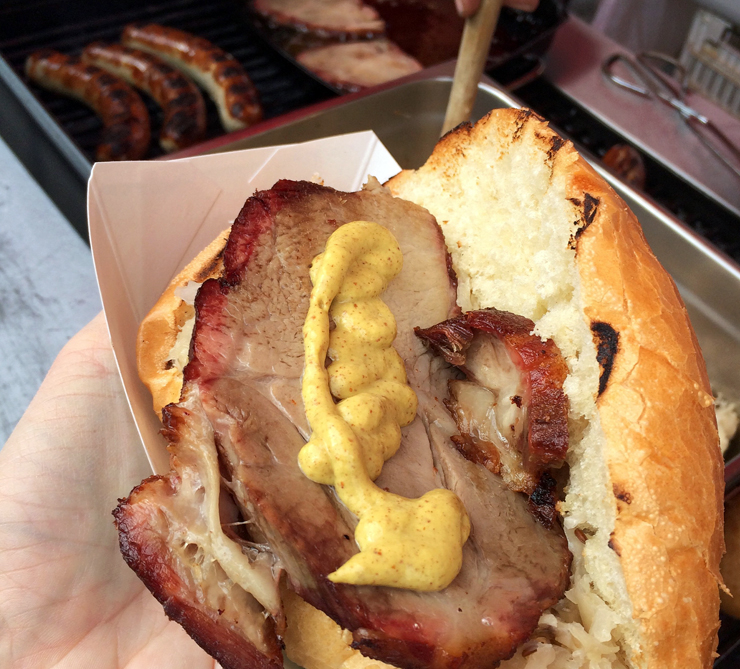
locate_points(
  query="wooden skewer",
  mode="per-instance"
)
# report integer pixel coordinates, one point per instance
(474, 47)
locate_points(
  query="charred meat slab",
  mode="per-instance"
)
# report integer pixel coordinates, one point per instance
(352, 66)
(347, 18)
(241, 402)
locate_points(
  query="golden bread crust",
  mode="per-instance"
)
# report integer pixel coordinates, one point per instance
(158, 331)
(657, 412)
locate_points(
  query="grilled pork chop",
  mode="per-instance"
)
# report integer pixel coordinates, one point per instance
(212, 538)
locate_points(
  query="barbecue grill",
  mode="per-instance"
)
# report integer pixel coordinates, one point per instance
(55, 137)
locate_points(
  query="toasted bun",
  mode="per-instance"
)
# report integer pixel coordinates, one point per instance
(158, 332)
(532, 229)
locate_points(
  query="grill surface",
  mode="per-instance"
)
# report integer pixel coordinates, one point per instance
(69, 27)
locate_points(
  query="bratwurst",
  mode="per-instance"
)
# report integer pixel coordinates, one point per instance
(184, 122)
(126, 130)
(214, 70)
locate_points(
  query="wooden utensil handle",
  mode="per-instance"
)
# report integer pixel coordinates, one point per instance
(474, 47)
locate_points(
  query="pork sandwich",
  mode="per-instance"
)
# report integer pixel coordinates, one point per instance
(560, 397)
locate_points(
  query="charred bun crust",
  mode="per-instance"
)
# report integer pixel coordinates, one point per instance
(657, 412)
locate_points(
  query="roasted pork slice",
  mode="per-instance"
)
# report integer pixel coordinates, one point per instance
(351, 18)
(512, 412)
(213, 581)
(242, 388)
(352, 66)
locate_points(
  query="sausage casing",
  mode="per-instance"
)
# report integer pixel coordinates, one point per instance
(221, 75)
(184, 122)
(126, 129)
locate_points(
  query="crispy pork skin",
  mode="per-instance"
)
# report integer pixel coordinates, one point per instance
(511, 411)
(243, 380)
(165, 536)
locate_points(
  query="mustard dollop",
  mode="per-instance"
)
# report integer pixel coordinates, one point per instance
(404, 543)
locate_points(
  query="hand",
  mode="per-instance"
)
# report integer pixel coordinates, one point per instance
(67, 599)
(469, 7)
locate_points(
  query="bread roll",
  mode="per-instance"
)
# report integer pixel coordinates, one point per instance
(532, 229)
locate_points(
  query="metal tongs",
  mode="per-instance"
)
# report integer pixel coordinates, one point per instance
(650, 81)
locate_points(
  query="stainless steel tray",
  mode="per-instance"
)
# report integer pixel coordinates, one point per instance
(406, 115)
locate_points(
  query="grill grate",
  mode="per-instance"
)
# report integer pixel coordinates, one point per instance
(69, 27)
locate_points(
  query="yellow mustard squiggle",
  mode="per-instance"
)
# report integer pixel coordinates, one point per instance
(404, 543)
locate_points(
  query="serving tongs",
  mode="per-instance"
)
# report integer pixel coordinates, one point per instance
(649, 80)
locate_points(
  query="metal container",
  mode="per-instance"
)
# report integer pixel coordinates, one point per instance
(406, 116)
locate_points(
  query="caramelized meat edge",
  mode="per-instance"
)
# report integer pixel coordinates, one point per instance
(511, 410)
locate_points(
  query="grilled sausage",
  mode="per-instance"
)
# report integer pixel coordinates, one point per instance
(221, 75)
(126, 131)
(184, 121)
